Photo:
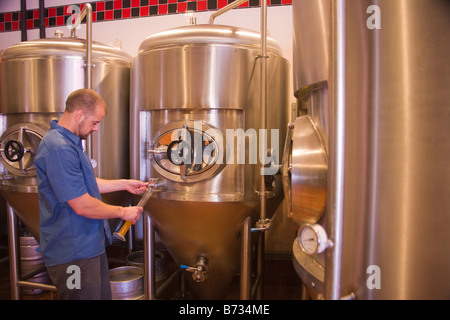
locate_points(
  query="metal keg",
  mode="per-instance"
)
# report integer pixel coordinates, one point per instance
(127, 283)
(32, 263)
(161, 271)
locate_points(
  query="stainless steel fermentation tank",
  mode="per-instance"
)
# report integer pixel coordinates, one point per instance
(36, 77)
(189, 86)
(368, 156)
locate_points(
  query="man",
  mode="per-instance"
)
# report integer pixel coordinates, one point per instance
(73, 220)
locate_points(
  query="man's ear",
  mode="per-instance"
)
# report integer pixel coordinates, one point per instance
(79, 115)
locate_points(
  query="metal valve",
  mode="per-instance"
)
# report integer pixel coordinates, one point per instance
(262, 225)
(199, 270)
(154, 185)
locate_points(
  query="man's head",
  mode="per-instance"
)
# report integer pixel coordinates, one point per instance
(86, 110)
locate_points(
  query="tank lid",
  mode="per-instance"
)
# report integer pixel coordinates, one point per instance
(206, 34)
(63, 46)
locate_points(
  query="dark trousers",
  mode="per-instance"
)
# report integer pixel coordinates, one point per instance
(86, 279)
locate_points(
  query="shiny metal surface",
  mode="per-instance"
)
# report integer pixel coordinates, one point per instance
(190, 229)
(209, 74)
(310, 269)
(42, 73)
(389, 96)
(27, 136)
(311, 42)
(403, 128)
(311, 60)
(308, 173)
(311, 65)
(169, 84)
(127, 283)
(224, 9)
(219, 35)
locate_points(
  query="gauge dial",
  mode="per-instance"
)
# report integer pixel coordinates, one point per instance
(313, 239)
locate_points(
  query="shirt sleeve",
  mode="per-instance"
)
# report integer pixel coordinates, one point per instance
(65, 174)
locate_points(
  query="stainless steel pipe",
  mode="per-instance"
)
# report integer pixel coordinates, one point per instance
(149, 259)
(225, 9)
(86, 12)
(263, 103)
(337, 154)
(246, 258)
(14, 267)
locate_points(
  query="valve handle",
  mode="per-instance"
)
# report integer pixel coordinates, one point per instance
(14, 151)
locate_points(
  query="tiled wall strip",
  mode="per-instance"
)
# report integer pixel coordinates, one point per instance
(119, 9)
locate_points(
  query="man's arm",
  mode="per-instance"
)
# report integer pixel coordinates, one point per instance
(93, 208)
(132, 186)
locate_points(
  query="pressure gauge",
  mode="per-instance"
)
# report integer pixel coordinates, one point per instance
(313, 239)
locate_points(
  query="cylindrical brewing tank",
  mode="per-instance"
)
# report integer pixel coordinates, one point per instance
(36, 77)
(305, 162)
(389, 144)
(189, 86)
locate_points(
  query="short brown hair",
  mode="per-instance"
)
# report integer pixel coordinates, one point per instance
(84, 99)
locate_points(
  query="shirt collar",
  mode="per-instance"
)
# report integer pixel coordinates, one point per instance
(69, 134)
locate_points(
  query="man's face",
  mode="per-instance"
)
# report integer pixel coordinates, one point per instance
(90, 122)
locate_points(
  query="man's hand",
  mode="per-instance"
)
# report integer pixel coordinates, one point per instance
(132, 213)
(136, 186)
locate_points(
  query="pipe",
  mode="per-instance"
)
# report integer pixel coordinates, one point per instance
(166, 284)
(333, 262)
(225, 9)
(263, 101)
(246, 256)
(36, 285)
(149, 261)
(42, 19)
(31, 274)
(87, 11)
(259, 283)
(14, 267)
(23, 19)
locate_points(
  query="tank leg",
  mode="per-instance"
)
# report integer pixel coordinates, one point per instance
(13, 253)
(260, 266)
(246, 257)
(149, 259)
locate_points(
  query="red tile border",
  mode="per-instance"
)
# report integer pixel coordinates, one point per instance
(182, 7)
(109, 10)
(162, 9)
(144, 11)
(100, 6)
(117, 4)
(109, 15)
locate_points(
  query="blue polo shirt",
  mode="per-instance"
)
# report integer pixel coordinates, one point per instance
(64, 172)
